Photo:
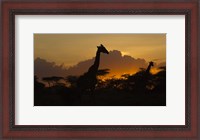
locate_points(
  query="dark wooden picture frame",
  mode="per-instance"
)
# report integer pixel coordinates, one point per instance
(10, 9)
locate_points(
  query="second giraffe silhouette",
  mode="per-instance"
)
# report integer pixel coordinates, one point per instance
(149, 67)
(88, 80)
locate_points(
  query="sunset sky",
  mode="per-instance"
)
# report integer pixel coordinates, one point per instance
(70, 49)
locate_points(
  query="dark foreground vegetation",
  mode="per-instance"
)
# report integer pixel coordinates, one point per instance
(140, 89)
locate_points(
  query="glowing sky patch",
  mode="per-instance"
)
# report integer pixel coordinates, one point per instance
(70, 49)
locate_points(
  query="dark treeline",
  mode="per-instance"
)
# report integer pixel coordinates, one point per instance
(140, 89)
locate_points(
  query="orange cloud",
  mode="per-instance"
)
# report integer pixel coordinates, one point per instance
(117, 63)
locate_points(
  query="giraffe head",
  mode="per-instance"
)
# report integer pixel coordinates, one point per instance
(151, 63)
(102, 49)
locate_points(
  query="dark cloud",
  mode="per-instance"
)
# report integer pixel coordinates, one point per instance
(115, 61)
(43, 68)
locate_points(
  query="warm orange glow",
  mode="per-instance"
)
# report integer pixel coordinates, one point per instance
(70, 49)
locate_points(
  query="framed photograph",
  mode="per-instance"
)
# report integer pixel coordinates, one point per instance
(100, 69)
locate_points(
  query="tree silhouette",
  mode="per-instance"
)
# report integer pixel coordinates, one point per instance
(37, 85)
(103, 72)
(72, 80)
(54, 80)
(125, 76)
(48, 80)
(160, 80)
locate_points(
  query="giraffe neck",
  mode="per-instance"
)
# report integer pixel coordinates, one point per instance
(94, 68)
(148, 68)
(97, 60)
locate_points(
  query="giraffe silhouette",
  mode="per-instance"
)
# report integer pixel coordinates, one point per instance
(88, 80)
(149, 67)
(146, 77)
(140, 80)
